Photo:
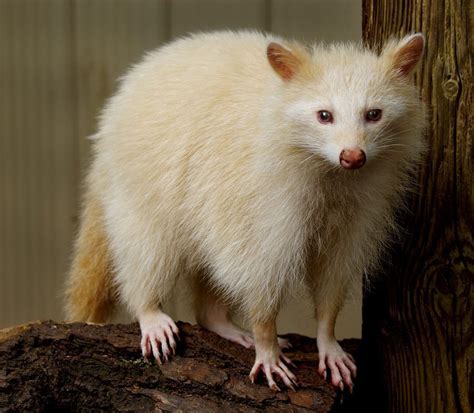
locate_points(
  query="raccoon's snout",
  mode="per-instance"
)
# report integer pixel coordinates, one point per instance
(352, 158)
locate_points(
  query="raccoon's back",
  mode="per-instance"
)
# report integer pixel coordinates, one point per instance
(182, 131)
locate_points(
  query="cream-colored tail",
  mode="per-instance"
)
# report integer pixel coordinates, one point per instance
(90, 295)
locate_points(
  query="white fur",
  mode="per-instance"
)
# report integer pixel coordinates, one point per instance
(206, 159)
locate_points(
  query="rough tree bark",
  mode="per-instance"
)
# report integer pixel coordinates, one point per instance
(77, 367)
(418, 320)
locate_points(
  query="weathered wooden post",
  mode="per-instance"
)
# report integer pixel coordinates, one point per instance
(418, 318)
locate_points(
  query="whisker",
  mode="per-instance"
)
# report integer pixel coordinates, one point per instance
(391, 145)
(308, 158)
(381, 133)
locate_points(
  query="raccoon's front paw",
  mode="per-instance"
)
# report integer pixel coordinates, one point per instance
(158, 336)
(341, 364)
(273, 361)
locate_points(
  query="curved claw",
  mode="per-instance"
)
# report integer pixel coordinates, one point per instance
(158, 336)
(287, 360)
(271, 367)
(339, 363)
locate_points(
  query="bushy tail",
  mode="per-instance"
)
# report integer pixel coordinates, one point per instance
(90, 295)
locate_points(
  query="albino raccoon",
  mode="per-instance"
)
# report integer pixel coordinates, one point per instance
(250, 165)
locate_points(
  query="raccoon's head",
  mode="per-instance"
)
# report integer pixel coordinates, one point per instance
(349, 106)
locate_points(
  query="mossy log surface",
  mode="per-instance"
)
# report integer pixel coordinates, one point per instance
(51, 366)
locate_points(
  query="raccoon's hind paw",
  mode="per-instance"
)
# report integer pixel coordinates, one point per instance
(158, 336)
(284, 343)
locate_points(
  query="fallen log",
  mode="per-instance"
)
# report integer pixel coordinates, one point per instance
(52, 366)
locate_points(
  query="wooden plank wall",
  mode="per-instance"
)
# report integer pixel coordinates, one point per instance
(59, 61)
(419, 317)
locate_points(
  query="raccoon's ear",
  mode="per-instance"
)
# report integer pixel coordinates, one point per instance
(284, 62)
(405, 54)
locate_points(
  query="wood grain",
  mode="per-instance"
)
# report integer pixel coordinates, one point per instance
(188, 16)
(59, 61)
(110, 36)
(418, 320)
(311, 20)
(38, 150)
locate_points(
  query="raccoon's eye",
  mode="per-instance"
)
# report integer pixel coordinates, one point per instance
(373, 115)
(325, 116)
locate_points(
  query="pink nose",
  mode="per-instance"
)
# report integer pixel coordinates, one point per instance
(352, 158)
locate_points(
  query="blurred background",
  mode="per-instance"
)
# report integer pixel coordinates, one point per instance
(59, 61)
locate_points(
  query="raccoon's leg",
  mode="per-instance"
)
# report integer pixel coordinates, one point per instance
(329, 297)
(213, 315)
(147, 265)
(269, 357)
(158, 329)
